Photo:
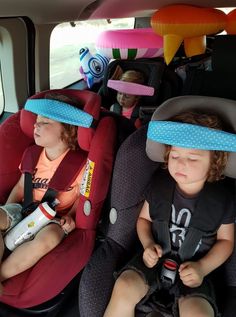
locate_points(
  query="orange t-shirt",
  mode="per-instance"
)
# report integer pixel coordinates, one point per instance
(42, 175)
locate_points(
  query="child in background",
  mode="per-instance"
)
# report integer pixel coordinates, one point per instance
(56, 139)
(127, 104)
(192, 171)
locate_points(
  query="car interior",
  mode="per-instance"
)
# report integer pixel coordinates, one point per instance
(39, 53)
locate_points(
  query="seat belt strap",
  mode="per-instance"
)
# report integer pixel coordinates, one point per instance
(28, 190)
(190, 244)
(162, 228)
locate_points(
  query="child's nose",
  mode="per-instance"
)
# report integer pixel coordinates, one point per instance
(182, 161)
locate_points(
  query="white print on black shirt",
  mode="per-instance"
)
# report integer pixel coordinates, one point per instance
(179, 226)
(179, 223)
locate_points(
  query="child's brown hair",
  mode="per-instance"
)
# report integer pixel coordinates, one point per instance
(218, 158)
(69, 134)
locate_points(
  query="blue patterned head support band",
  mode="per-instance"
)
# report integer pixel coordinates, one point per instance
(191, 136)
(59, 111)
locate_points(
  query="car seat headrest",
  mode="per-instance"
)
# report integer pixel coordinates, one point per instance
(224, 108)
(223, 54)
(85, 118)
(152, 70)
(59, 111)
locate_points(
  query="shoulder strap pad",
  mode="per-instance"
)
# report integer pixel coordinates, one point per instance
(160, 208)
(30, 158)
(206, 218)
(68, 170)
(163, 186)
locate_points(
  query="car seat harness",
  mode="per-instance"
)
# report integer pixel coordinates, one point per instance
(72, 163)
(207, 223)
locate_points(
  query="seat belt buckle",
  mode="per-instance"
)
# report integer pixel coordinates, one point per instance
(168, 273)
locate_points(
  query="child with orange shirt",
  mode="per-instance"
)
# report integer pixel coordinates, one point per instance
(56, 139)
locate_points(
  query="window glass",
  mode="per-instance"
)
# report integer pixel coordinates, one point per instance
(66, 41)
(1, 95)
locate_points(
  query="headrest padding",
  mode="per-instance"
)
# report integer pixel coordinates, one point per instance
(224, 108)
(91, 104)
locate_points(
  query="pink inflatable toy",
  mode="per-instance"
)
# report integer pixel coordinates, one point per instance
(130, 44)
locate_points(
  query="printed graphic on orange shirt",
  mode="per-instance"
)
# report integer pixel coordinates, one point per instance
(87, 179)
(39, 182)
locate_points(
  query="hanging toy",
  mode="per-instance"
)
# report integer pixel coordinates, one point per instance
(92, 66)
(189, 24)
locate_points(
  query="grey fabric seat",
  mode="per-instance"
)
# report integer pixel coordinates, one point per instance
(132, 172)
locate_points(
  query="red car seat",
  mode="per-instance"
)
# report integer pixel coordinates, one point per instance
(54, 271)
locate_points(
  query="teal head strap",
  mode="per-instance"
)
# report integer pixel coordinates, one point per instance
(224, 108)
(191, 136)
(59, 111)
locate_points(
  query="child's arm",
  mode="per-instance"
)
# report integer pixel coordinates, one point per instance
(68, 221)
(192, 273)
(152, 251)
(17, 193)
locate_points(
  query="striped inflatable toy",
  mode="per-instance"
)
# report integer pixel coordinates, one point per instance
(130, 44)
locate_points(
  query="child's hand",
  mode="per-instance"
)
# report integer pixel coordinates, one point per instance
(67, 223)
(152, 254)
(190, 273)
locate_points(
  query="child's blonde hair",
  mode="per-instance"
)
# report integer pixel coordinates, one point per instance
(218, 158)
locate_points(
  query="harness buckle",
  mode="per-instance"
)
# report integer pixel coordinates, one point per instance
(168, 273)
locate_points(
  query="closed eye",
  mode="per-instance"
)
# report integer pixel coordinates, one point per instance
(194, 158)
(174, 157)
(41, 123)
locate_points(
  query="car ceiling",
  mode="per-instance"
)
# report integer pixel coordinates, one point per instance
(52, 11)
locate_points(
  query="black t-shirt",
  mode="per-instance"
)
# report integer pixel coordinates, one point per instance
(182, 209)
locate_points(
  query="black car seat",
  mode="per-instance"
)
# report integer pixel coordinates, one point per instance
(49, 277)
(163, 79)
(220, 80)
(132, 173)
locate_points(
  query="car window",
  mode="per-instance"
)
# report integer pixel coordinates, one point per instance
(1, 95)
(66, 41)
